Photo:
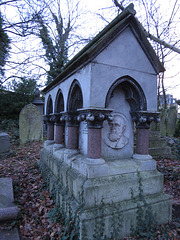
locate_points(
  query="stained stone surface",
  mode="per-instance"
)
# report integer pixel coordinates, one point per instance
(30, 124)
(113, 182)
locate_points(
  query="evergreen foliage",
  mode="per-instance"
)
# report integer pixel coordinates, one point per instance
(12, 102)
(56, 52)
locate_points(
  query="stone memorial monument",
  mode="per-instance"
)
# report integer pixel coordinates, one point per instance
(90, 111)
(30, 124)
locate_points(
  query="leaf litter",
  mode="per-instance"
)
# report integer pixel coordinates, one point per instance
(35, 203)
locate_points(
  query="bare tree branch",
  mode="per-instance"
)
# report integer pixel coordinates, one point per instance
(6, 2)
(119, 5)
(165, 44)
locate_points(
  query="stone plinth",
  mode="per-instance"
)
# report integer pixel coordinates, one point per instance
(103, 193)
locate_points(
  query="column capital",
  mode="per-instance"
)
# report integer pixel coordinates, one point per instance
(70, 118)
(52, 118)
(143, 119)
(46, 118)
(94, 116)
(58, 119)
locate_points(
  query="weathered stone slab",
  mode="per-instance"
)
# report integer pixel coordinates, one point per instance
(11, 234)
(30, 124)
(4, 143)
(8, 213)
(6, 192)
(7, 208)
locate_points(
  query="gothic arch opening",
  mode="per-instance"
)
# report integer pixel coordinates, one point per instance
(59, 103)
(75, 99)
(134, 94)
(49, 108)
(124, 96)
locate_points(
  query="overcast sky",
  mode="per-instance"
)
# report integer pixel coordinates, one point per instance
(172, 74)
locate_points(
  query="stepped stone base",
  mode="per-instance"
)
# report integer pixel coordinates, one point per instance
(158, 146)
(105, 196)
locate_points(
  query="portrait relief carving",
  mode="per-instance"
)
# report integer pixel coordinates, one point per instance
(116, 136)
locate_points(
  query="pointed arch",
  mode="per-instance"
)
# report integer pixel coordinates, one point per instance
(75, 97)
(49, 107)
(59, 102)
(134, 94)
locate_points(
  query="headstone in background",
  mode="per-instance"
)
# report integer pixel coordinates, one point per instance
(4, 143)
(172, 118)
(30, 124)
(168, 121)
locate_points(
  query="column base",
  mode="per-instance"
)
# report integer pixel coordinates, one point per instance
(56, 147)
(69, 155)
(142, 157)
(95, 161)
(48, 143)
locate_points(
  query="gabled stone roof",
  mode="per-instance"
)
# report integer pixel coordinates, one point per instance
(100, 41)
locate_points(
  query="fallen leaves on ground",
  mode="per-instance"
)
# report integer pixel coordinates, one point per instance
(35, 203)
(31, 194)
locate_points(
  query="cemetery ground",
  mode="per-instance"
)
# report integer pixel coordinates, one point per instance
(38, 217)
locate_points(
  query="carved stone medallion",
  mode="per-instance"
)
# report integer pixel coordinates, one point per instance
(116, 136)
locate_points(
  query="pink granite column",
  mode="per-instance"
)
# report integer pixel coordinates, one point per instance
(73, 137)
(94, 143)
(143, 120)
(59, 135)
(142, 141)
(50, 131)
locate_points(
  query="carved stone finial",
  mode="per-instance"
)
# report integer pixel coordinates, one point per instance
(37, 93)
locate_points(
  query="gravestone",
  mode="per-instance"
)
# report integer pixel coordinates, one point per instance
(158, 146)
(30, 124)
(4, 143)
(168, 121)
